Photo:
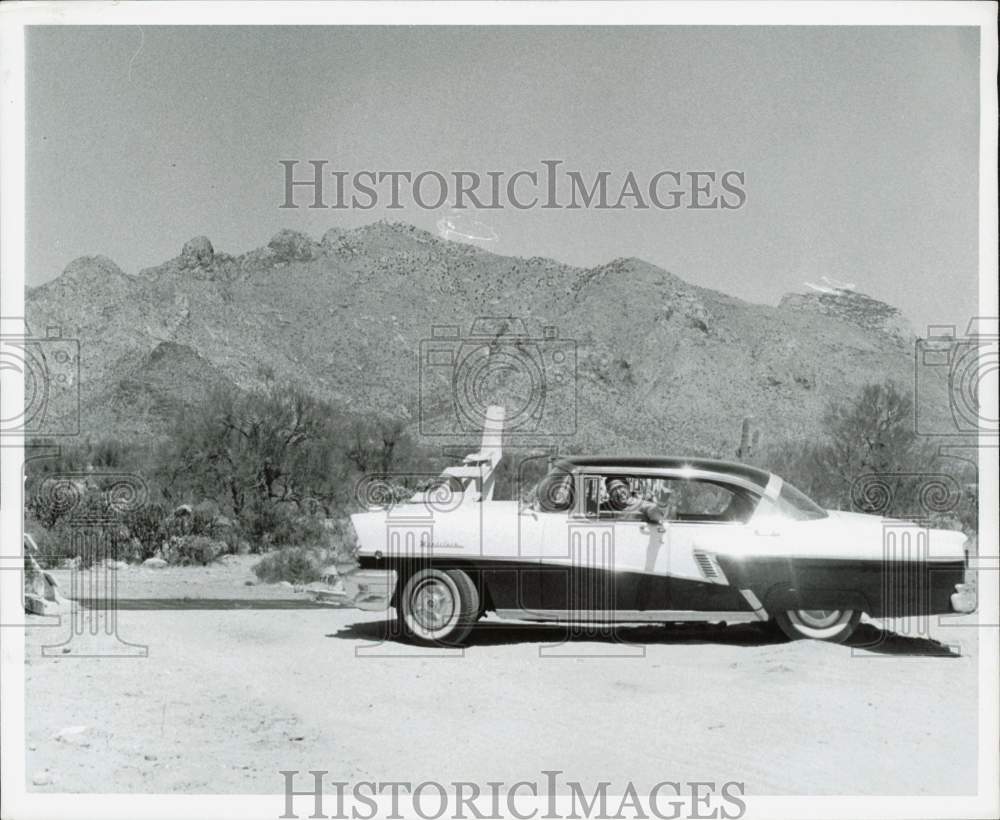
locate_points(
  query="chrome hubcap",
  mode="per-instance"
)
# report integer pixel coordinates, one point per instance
(819, 618)
(432, 604)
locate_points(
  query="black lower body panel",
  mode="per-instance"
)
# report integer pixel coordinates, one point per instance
(880, 588)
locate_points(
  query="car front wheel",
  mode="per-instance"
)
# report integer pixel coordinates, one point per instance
(439, 606)
(834, 625)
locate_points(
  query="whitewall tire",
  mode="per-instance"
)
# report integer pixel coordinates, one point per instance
(438, 606)
(834, 625)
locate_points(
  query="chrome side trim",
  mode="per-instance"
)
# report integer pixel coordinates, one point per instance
(754, 601)
(625, 616)
(709, 567)
(368, 589)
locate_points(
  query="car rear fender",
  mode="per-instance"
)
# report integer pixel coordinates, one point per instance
(782, 597)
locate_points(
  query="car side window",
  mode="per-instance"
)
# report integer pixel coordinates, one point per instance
(702, 500)
(621, 497)
(665, 498)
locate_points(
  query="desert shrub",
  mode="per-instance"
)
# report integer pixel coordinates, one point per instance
(297, 565)
(56, 544)
(299, 530)
(146, 529)
(968, 508)
(233, 539)
(86, 545)
(281, 525)
(80, 523)
(343, 540)
(203, 522)
(192, 549)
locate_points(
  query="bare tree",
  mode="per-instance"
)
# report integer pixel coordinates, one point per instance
(870, 433)
(376, 445)
(252, 447)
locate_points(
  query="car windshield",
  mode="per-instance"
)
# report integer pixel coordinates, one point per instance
(795, 504)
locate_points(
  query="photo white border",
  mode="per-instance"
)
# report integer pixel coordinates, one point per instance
(20, 804)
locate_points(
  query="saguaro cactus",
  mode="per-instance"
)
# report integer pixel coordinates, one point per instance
(749, 441)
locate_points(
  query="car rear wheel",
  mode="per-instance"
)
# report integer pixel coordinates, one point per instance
(834, 625)
(439, 606)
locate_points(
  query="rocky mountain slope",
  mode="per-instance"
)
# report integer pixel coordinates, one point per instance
(660, 364)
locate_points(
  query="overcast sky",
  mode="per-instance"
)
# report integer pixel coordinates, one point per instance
(859, 145)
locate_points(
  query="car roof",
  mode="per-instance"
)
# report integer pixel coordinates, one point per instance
(733, 468)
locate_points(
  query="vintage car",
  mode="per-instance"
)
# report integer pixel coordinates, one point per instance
(643, 539)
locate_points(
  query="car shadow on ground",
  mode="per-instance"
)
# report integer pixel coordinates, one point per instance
(494, 633)
(867, 638)
(882, 641)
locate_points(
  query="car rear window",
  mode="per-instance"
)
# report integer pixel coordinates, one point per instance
(796, 505)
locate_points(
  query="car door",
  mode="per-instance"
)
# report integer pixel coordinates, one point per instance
(601, 558)
(584, 555)
(711, 517)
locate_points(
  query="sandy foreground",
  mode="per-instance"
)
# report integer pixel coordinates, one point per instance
(239, 682)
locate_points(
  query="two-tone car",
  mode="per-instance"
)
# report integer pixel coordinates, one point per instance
(622, 540)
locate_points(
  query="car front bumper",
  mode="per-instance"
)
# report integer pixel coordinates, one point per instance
(963, 600)
(368, 589)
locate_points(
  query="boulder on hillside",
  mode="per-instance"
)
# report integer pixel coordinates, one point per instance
(197, 253)
(292, 246)
(332, 238)
(89, 267)
(91, 278)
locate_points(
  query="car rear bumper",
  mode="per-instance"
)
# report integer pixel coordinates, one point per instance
(963, 600)
(368, 589)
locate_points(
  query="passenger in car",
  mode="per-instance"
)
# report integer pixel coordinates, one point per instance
(620, 497)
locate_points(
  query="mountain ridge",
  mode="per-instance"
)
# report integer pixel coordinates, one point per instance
(660, 363)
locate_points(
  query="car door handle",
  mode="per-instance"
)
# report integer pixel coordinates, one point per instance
(644, 528)
(767, 533)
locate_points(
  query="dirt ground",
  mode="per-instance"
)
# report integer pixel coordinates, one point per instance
(239, 682)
